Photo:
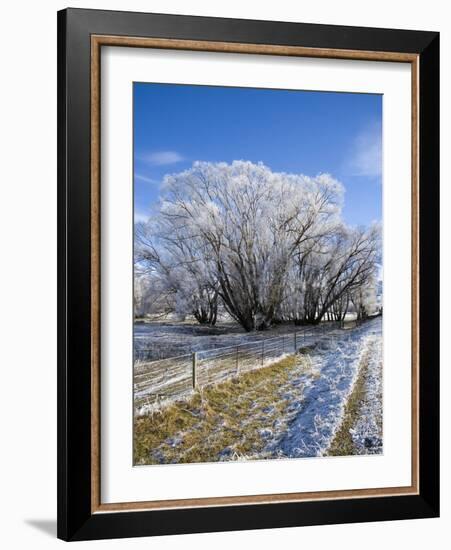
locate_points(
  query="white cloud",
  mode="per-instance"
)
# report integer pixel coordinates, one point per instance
(140, 216)
(161, 158)
(145, 179)
(366, 156)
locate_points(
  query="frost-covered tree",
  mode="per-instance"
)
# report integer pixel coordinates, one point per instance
(353, 265)
(364, 299)
(177, 268)
(245, 223)
(152, 296)
(266, 246)
(322, 279)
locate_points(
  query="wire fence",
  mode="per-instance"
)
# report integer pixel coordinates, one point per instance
(157, 381)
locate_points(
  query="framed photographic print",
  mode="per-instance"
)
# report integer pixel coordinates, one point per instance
(248, 274)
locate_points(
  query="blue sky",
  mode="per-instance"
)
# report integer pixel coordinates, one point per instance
(289, 131)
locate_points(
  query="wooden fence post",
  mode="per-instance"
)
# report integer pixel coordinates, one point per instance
(263, 350)
(194, 370)
(295, 344)
(237, 363)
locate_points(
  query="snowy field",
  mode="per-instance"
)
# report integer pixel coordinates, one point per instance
(299, 413)
(335, 366)
(160, 340)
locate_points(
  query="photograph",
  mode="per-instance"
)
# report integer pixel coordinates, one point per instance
(248, 291)
(258, 274)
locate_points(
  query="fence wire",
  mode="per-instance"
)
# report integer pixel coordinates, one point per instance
(173, 377)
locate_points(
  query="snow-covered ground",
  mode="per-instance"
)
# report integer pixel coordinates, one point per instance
(311, 395)
(161, 340)
(318, 415)
(367, 433)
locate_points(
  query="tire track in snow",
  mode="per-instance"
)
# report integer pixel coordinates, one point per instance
(319, 414)
(367, 432)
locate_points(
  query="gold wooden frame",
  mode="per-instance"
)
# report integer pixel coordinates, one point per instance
(97, 41)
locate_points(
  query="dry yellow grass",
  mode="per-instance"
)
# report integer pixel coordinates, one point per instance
(224, 421)
(342, 443)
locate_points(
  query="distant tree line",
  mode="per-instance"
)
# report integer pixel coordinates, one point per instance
(265, 247)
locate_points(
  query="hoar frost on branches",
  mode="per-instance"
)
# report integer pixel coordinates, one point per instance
(264, 246)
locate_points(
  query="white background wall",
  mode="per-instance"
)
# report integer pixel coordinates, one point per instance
(28, 271)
